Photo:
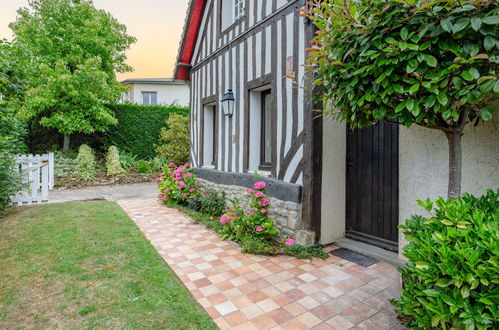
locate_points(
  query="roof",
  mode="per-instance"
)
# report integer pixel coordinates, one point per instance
(156, 81)
(188, 41)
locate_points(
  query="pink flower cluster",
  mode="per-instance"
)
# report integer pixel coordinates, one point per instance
(290, 242)
(259, 185)
(224, 219)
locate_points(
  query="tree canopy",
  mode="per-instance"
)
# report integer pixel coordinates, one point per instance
(431, 63)
(75, 51)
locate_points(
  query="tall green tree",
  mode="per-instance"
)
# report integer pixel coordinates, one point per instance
(430, 63)
(76, 51)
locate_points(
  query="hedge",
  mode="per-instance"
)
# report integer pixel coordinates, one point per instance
(138, 128)
(137, 132)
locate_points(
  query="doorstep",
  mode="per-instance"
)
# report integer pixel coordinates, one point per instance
(371, 251)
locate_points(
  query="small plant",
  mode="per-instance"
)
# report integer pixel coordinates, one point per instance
(128, 161)
(177, 184)
(64, 163)
(156, 164)
(451, 279)
(143, 166)
(175, 139)
(209, 202)
(85, 164)
(113, 164)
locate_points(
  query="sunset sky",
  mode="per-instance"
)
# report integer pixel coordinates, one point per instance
(157, 25)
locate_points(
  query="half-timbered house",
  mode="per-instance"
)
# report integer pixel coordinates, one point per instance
(325, 182)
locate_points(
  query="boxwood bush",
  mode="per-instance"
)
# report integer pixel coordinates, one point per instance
(451, 279)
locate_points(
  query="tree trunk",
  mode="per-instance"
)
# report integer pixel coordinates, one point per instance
(455, 163)
(65, 146)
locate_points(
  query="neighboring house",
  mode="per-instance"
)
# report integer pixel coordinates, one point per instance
(156, 91)
(325, 181)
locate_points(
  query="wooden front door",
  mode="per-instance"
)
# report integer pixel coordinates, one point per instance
(372, 185)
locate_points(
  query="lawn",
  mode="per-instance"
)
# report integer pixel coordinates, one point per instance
(86, 265)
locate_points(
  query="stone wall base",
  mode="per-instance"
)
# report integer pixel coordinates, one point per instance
(286, 215)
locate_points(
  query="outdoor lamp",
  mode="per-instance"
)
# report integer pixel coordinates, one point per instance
(228, 103)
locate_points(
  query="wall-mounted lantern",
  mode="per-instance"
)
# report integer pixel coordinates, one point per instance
(228, 103)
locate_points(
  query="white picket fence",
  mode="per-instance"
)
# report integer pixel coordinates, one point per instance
(38, 178)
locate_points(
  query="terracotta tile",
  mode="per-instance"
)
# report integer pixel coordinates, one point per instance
(295, 309)
(225, 308)
(264, 322)
(321, 297)
(280, 315)
(384, 320)
(308, 302)
(267, 305)
(217, 298)
(235, 318)
(212, 311)
(294, 324)
(221, 323)
(324, 312)
(246, 326)
(252, 311)
(226, 285)
(369, 324)
(295, 294)
(339, 323)
(257, 296)
(242, 302)
(282, 300)
(323, 326)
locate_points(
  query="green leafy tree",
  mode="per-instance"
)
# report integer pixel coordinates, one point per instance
(77, 51)
(175, 139)
(430, 63)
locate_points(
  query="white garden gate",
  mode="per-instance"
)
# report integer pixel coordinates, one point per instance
(37, 173)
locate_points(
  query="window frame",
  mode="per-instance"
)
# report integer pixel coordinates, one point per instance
(149, 93)
(264, 166)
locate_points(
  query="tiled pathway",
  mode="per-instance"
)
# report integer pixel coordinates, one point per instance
(244, 291)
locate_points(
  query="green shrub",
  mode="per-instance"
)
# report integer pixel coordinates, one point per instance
(85, 164)
(64, 163)
(451, 279)
(209, 202)
(143, 166)
(10, 181)
(156, 164)
(113, 165)
(128, 161)
(175, 139)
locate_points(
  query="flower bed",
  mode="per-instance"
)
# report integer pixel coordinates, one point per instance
(253, 229)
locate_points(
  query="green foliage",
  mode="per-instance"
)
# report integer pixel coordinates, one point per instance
(113, 165)
(209, 202)
(75, 51)
(142, 166)
(451, 279)
(175, 139)
(430, 63)
(177, 184)
(85, 164)
(139, 127)
(64, 163)
(128, 160)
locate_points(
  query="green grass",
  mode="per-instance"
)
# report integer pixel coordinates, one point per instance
(87, 265)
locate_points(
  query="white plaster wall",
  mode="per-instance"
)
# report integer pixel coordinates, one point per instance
(424, 164)
(167, 94)
(333, 181)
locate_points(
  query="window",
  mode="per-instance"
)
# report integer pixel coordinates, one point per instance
(238, 9)
(149, 98)
(266, 131)
(209, 137)
(232, 10)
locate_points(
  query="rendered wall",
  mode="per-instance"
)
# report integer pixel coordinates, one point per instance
(167, 94)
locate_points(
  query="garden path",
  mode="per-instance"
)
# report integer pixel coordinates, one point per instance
(109, 193)
(241, 291)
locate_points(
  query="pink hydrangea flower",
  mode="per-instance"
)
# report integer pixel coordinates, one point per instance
(187, 165)
(251, 213)
(186, 175)
(259, 194)
(264, 202)
(250, 191)
(260, 185)
(204, 193)
(160, 196)
(158, 179)
(192, 190)
(181, 184)
(166, 191)
(263, 211)
(164, 198)
(172, 164)
(178, 178)
(290, 242)
(224, 219)
(259, 228)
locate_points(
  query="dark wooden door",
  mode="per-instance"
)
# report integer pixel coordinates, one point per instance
(372, 185)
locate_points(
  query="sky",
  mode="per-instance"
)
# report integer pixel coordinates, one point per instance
(157, 25)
